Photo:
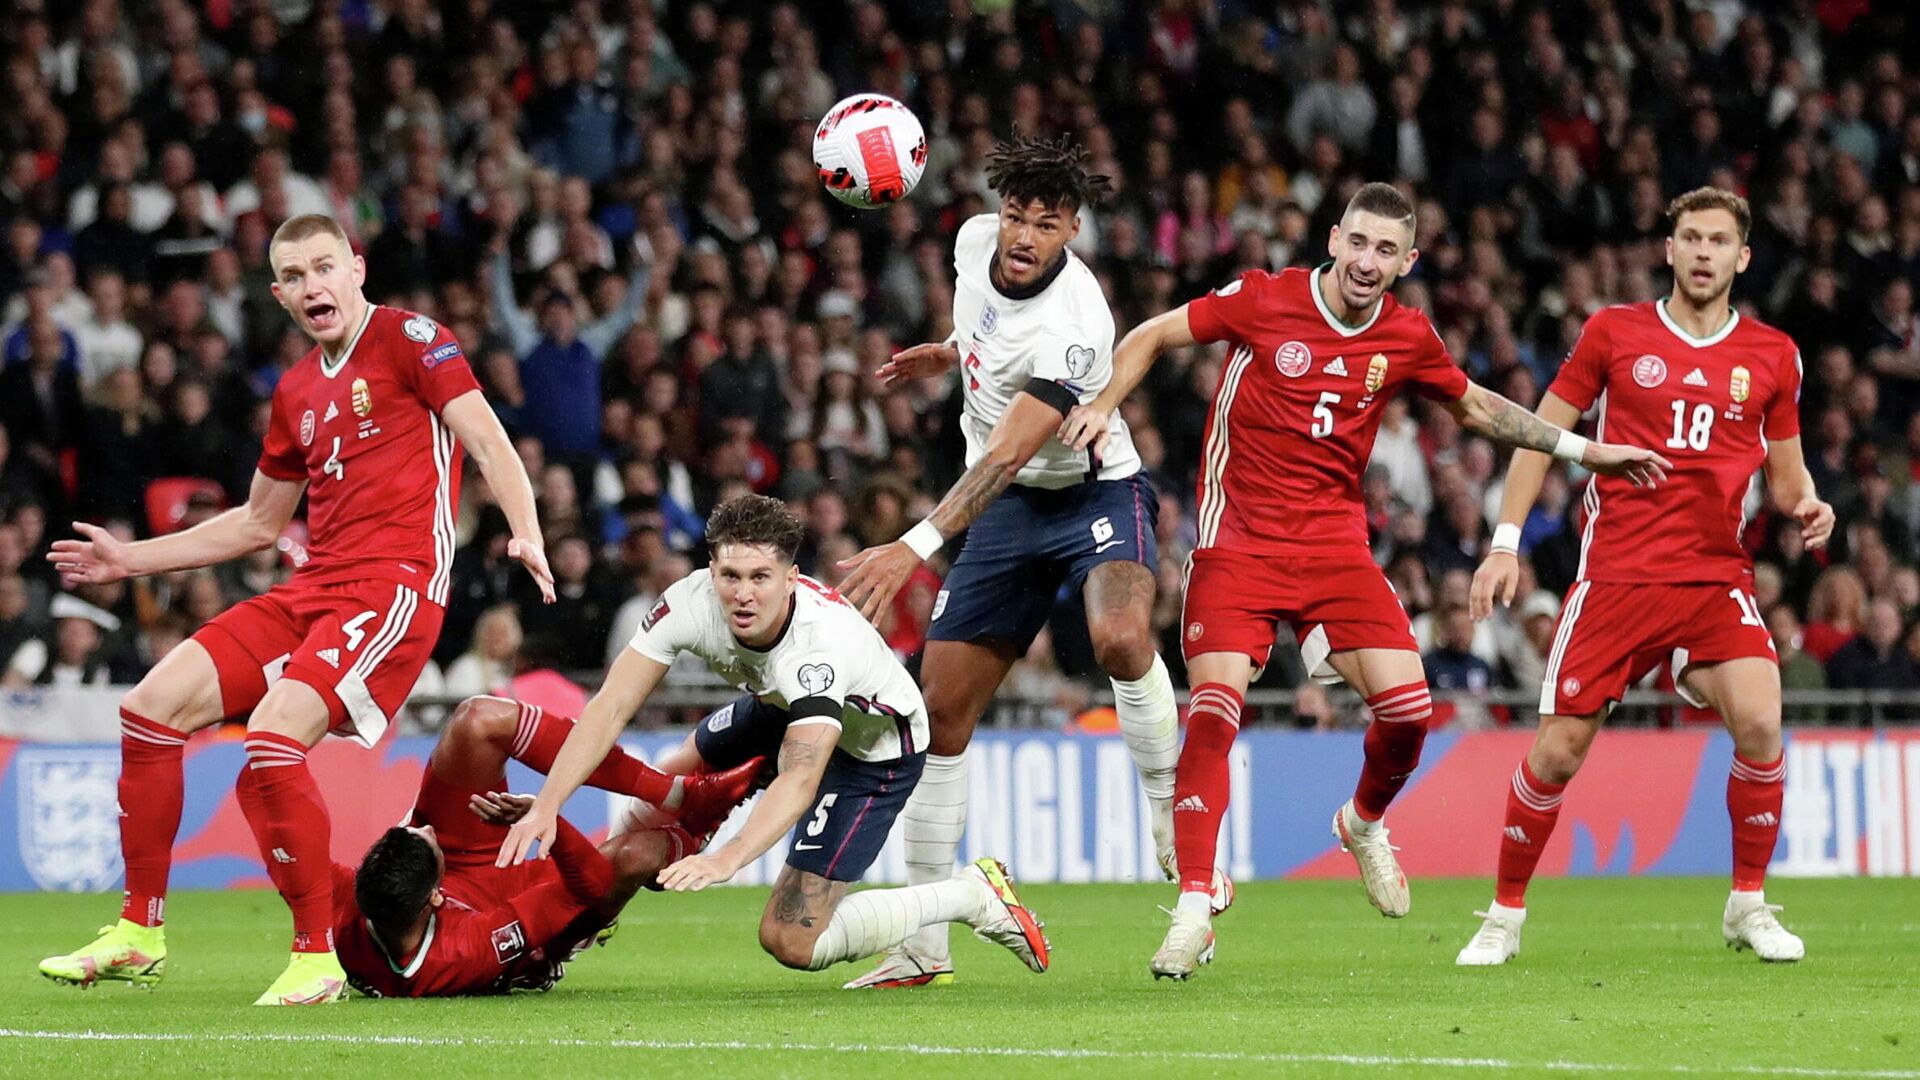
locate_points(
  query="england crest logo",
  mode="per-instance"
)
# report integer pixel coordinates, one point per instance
(69, 817)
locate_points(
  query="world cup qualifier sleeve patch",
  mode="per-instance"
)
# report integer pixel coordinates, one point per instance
(815, 678)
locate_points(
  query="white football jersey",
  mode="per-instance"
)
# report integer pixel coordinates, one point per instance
(826, 650)
(1064, 334)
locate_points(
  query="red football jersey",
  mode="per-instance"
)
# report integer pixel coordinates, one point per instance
(382, 469)
(1297, 408)
(483, 939)
(1708, 405)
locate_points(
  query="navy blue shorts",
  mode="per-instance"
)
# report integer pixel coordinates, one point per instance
(852, 813)
(1030, 543)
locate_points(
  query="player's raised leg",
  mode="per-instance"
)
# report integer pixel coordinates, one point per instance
(957, 679)
(1746, 694)
(1203, 782)
(1119, 598)
(1395, 688)
(178, 697)
(1533, 807)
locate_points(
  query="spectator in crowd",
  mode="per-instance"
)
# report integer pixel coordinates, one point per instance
(72, 653)
(490, 665)
(1452, 667)
(1798, 670)
(1875, 660)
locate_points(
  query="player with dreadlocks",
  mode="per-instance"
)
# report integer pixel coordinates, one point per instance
(1033, 338)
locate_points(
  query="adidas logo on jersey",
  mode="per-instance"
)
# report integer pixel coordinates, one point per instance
(333, 410)
(1191, 802)
(1518, 835)
(1337, 367)
(1765, 820)
(1695, 378)
(331, 656)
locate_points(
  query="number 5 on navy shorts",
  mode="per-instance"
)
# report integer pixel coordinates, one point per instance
(1030, 542)
(844, 830)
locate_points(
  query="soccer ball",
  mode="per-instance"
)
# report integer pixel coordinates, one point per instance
(871, 151)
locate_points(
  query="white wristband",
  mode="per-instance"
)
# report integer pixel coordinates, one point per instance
(1506, 537)
(924, 539)
(1571, 447)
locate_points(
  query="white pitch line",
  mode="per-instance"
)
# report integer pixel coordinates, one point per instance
(915, 1049)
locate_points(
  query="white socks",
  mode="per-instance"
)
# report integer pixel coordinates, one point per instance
(1194, 905)
(874, 920)
(1150, 723)
(932, 824)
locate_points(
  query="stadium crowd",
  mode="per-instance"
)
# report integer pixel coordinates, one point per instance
(612, 205)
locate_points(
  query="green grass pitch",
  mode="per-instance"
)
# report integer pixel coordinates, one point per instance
(1618, 978)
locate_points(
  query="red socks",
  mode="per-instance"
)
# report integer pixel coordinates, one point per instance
(1392, 746)
(152, 787)
(1202, 782)
(537, 741)
(1754, 793)
(290, 823)
(1533, 805)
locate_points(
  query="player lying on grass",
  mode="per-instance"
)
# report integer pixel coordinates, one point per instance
(428, 914)
(847, 726)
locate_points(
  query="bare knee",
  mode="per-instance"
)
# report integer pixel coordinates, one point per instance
(950, 718)
(162, 700)
(1122, 645)
(790, 945)
(638, 857)
(1560, 748)
(484, 718)
(1756, 732)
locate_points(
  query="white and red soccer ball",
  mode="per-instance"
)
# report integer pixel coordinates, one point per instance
(871, 151)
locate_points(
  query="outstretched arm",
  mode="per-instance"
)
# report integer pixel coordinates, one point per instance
(1483, 411)
(98, 558)
(508, 315)
(478, 429)
(1132, 358)
(804, 754)
(879, 572)
(631, 678)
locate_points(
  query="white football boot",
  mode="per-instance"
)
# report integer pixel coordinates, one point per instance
(1750, 923)
(901, 968)
(1498, 939)
(1379, 870)
(1188, 945)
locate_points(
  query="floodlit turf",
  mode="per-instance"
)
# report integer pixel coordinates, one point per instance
(1618, 977)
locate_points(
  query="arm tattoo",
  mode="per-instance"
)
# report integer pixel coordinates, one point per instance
(970, 496)
(1509, 423)
(797, 754)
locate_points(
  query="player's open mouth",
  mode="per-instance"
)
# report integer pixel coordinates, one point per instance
(1020, 261)
(1701, 277)
(742, 619)
(322, 316)
(1360, 284)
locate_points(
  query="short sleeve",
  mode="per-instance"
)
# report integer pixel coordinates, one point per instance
(1783, 412)
(1584, 374)
(668, 628)
(1228, 312)
(281, 455)
(814, 683)
(1435, 374)
(1071, 359)
(433, 362)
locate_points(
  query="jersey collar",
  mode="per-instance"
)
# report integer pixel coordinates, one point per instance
(330, 370)
(1320, 303)
(419, 954)
(1715, 338)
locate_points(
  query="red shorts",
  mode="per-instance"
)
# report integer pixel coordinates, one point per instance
(1612, 633)
(361, 646)
(1235, 600)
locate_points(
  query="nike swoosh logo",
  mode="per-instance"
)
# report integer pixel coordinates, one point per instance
(801, 846)
(1108, 544)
